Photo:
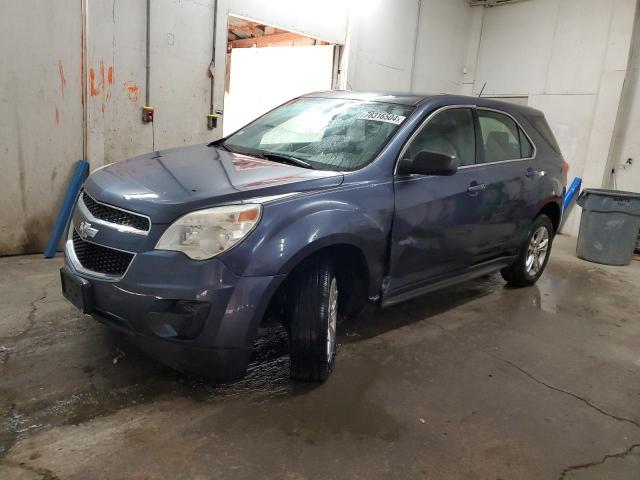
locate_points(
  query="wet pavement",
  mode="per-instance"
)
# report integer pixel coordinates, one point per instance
(478, 381)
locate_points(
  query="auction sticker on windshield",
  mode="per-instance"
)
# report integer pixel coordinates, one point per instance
(382, 117)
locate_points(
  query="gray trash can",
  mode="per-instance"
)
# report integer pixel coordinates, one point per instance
(609, 226)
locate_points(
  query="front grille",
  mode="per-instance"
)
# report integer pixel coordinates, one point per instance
(114, 215)
(100, 259)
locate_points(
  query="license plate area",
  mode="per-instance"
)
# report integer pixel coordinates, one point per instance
(76, 289)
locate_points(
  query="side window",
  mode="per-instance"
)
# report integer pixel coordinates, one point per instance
(501, 137)
(450, 132)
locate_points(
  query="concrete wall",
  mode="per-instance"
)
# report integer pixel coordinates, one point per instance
(41, 116)
(41, 83)
(570, 58)
(626, 142)
(181, 38)
(42, 78)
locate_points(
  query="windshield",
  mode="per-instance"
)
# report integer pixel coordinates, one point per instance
(325, 133)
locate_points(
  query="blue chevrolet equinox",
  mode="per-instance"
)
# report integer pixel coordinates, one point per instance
(332, 202)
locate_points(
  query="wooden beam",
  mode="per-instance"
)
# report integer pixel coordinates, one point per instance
(246, 31)
(266, 40)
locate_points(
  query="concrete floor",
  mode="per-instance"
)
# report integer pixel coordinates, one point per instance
(477, 382)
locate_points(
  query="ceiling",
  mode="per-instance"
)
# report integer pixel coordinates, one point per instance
(491, 3)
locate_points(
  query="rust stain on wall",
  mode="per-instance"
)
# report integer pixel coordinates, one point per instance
(57, 116)
(63, 80)
(132, 90)
(110, 75)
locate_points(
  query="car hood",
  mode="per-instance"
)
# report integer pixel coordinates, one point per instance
(167, 184)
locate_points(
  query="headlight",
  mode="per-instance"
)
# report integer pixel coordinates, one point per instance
(206, 233)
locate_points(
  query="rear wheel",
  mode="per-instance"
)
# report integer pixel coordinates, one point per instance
(313, 314)
(533, 256)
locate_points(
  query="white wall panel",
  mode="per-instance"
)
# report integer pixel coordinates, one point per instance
(382, 45)
(579, 47)
(441, 51)
(515, 48)
(626, 143)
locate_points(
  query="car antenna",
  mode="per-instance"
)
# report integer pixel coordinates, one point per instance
(481, 91)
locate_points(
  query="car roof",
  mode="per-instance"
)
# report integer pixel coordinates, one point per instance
(415, 100)
(386, 97)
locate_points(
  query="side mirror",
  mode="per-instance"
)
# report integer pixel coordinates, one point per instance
(429, 163)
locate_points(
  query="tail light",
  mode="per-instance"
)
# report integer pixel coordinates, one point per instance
(565, 167)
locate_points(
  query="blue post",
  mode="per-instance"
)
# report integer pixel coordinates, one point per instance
(571, 193)
(79, 176)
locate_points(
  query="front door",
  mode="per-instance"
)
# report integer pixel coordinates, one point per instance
(436, 220)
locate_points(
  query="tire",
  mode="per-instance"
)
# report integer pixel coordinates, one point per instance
(532, 259)
(313, 304)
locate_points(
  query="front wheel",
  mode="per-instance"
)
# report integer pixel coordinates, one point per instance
(313, 314)
(533, 256)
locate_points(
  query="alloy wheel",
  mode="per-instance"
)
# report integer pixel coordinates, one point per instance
(537, 251)
(332, 319)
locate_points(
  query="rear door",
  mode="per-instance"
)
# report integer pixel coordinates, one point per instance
(506, 157)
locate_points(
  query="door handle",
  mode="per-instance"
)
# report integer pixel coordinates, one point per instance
(476, 187)
(535, 173)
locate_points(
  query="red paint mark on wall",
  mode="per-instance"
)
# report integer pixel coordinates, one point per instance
(100, 83)
(93, 91)
(96, 86)
(63, 81)
(132, 90)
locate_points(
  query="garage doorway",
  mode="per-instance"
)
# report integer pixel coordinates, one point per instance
(266, 66)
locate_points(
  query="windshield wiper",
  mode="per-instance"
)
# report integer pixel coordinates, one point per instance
(220, 144)
(281, 157)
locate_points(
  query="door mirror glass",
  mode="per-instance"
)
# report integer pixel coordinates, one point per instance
(429, 163)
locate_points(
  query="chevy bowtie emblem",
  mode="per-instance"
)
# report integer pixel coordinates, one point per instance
(86, 230)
